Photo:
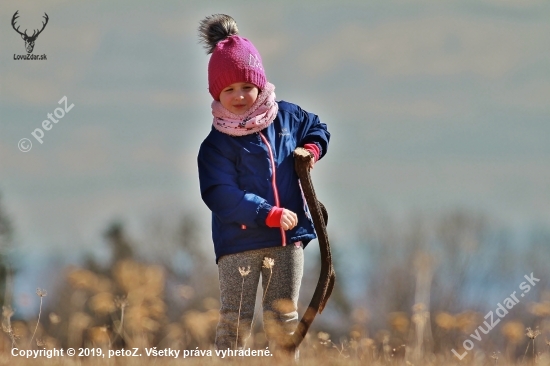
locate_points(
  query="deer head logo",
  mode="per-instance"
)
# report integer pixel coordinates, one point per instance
(29, 40)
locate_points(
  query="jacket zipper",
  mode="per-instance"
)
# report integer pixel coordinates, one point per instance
(274, 181)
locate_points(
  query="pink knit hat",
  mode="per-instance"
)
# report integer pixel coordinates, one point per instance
(234, 59)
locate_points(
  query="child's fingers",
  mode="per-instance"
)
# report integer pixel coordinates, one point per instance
(288, 220)
(294, 219)
(287, 224)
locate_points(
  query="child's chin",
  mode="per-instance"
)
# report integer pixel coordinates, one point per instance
(239, 111)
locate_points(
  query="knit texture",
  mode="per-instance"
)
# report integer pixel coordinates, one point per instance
(280, 305)
(234, 60)
(274, 217)
(259, 116)
(314, 150)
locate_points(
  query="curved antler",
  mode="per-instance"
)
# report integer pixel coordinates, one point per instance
(36, 31)
(13, 19)
(43, 26)
(29, 40)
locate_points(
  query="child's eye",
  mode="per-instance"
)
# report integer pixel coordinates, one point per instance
(228, 90)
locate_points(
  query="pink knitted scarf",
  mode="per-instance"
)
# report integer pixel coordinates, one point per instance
(259, 116)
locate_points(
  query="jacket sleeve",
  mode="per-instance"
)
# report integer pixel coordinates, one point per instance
(221, 193)
(312, 130)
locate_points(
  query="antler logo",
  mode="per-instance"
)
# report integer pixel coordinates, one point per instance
(29, 40)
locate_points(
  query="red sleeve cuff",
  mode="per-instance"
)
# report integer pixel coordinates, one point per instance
(314, 150)
(273, 218)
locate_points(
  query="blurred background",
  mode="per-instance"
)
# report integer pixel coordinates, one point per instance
(437, 179)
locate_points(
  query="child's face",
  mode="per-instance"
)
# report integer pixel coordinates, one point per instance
(239, 97)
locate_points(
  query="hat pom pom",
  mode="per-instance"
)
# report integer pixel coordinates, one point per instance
(216, 28)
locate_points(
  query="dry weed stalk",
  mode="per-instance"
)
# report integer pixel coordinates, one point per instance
(532, 335)
(268, 263)
(7, 313)
(340, 350)
(494, 356)
(41, 293)
(420, 319)
(386, 347)
(324, 340)
(121, 303)
(244, 272)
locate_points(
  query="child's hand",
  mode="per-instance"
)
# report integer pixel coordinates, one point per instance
(288, 219)
(314, 152)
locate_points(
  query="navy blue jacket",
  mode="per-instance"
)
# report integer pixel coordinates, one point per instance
(236, 181)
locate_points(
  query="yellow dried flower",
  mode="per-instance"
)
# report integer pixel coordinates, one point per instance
(323, 336)
(398, 321)
(7, 311)
(532, 334)
(121, 302)
(99, 335)
(79, 321)
(541, 309)
(41, 293)
(467, 321)
(268, 262)
(82, 279)
(367, 342)
(102, 303)
(54, 318)
(210, 303)
(243, 271)
(445, 320)
(513, 331)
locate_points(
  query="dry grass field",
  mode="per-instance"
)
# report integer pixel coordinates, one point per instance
(104, 327)
(414, 314)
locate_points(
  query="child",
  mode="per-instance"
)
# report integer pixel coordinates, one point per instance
(247, 180)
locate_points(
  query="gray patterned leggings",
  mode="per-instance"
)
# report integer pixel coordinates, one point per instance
(280, 305)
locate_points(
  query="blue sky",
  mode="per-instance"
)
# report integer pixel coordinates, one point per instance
(432, 106)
